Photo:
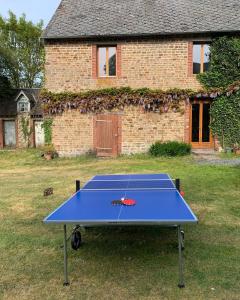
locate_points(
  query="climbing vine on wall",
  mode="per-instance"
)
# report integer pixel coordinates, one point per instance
(225, 123)
(224, 70)
(117, 98)
(26, 130)
(224, 67)
(47, 127)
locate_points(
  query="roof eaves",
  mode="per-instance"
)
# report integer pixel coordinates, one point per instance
(163, 34)
(21, 92)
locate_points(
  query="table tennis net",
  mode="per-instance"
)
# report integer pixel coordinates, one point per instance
(129, 185)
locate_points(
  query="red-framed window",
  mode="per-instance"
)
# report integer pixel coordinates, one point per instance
(107, 61)
(200, 57)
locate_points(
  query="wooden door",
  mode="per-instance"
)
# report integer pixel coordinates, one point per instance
(200, 133)
(9, 133)
(39, 133)
(107, 134)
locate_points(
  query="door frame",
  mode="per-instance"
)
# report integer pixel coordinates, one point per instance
(33, 123)
(200, 145)
(116, 150)
(3, 132)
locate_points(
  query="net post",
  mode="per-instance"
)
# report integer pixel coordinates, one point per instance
(77, 185)
(177, 184)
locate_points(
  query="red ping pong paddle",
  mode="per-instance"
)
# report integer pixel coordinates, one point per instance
(129, 202)
(123, 201)
(182, 193)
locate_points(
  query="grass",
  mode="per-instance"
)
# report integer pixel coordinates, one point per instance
(116, 263)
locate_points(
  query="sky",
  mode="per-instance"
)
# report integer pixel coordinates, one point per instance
(35, 10)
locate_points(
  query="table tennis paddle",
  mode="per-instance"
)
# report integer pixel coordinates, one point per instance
(123, 201)
(129, 202)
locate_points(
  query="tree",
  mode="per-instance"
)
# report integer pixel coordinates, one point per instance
(5, 85)
(21, 51)
(5, 88)
(224, 66)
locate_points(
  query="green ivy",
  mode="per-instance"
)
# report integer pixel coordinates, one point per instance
(224, 68)
(26, 130)
(225, 112)
(47, 127)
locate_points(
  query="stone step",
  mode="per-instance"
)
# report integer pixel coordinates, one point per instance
(204, 152)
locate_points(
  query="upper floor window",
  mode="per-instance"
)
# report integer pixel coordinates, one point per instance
(23, 104)
(201, 54)
(107, 61)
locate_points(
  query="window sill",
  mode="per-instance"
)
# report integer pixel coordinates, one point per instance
(106, 77)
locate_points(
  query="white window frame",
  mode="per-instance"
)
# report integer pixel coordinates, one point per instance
(24, 103)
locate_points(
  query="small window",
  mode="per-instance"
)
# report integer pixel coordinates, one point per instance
(107, 61)
(201, 57)
(23, 105)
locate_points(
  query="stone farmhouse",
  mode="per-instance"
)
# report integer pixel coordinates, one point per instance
(156, 44)
(24, 103)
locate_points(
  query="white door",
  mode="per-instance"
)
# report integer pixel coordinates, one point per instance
(39, 134)
(9, 134)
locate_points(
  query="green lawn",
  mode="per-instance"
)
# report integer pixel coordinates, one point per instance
(116, 263)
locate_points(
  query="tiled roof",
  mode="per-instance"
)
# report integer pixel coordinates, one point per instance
(9, 106)
(99, 18)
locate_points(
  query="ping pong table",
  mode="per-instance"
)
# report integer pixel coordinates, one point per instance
(158, 202)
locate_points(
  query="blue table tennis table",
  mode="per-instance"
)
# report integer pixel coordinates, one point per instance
(158, 202)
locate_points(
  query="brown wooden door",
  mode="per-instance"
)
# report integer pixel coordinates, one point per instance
(107, 134)
(200, 133)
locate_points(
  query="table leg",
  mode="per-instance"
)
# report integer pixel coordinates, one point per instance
(66, 282)
(180, 258)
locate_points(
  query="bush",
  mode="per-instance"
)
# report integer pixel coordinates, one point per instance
(170, 149)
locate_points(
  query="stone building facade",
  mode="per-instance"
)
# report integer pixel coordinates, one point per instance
(153, 44)
(157, 64)
(72, 66)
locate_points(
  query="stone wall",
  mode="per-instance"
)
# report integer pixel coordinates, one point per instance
(73, 131)
(164, 64)
(140, 129)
